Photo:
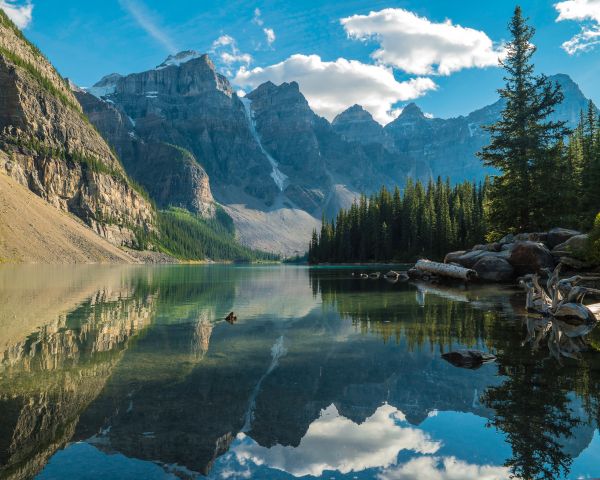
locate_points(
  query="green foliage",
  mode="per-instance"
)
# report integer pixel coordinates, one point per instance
(525, 145)
(189, 237)
(593, 249)
(402, 227)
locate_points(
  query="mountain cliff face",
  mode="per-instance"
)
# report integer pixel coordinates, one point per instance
(190, 105)
(47, 144)
(171, 175)
(449, 146)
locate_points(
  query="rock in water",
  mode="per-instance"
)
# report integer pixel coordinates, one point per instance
(468, 358)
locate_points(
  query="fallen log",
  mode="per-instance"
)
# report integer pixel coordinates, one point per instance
(446, 270)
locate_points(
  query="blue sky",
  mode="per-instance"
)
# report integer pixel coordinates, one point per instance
(87, 40)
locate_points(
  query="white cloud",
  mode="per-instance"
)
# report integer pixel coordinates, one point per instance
(226, 49)
(257, 17)
(586, 11)
(578, 10)
(331, 87)
(20, 14)
(269, 32)
(443, 468)
(333, 442)
(416, 45)
(145, 20)
(270, 35)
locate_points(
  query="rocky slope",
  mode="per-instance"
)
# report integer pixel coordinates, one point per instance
(33, 231)
(170, 174)
(48, 145)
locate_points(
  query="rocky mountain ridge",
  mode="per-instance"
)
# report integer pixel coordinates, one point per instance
(48, 145)
(267, 157)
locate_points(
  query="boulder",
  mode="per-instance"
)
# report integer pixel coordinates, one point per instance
(510, 238)
(468, 358)
(575, 247)
(469, 259)
(530, 257)
(494, 269)
(532, 237)
(556, 236)
(575, 263)
(452, 256)
(489, 247)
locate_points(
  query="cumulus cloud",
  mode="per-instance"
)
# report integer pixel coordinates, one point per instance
(20, 14)
(333, 442)
(145, 20)
(331, 87)
(419, 46)
(587, 12)
(227, 52)
(443, 468)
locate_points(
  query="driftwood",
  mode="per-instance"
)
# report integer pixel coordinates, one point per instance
(447, 270)
(565, 319)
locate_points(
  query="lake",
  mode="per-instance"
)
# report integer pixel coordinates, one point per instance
(133, 372)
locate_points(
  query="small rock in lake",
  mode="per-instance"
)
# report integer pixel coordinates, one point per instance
(468, 358)
(231, 318)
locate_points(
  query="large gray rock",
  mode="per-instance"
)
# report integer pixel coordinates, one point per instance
(575, 246)
(530, 257)
(469, 259)
(556, 236)
(453, 257)
(494, 269)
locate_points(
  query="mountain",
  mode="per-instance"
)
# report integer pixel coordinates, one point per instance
(273, 164)
(48, 145)
(449, 146)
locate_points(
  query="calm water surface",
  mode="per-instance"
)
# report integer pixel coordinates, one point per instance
(132, 372)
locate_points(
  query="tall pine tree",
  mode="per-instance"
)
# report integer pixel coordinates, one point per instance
(523, 143)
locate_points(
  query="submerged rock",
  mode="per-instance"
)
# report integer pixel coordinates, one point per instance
(468, 358)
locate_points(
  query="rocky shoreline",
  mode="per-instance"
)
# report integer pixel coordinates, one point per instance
(525, 253)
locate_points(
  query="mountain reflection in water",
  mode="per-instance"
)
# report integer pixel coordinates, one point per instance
(132, 372)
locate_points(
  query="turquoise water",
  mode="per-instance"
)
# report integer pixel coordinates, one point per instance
(132, 372)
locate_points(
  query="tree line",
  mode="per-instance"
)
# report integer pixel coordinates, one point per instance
(402, 226)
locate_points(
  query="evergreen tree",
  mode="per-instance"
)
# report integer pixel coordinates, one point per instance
(523, 141)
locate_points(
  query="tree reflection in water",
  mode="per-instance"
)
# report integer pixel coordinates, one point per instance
(533, 407)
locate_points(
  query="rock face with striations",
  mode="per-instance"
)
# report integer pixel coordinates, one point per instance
(171, 175)
(357, 125)
(324, 168)
(186, 103)
(48, 145)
